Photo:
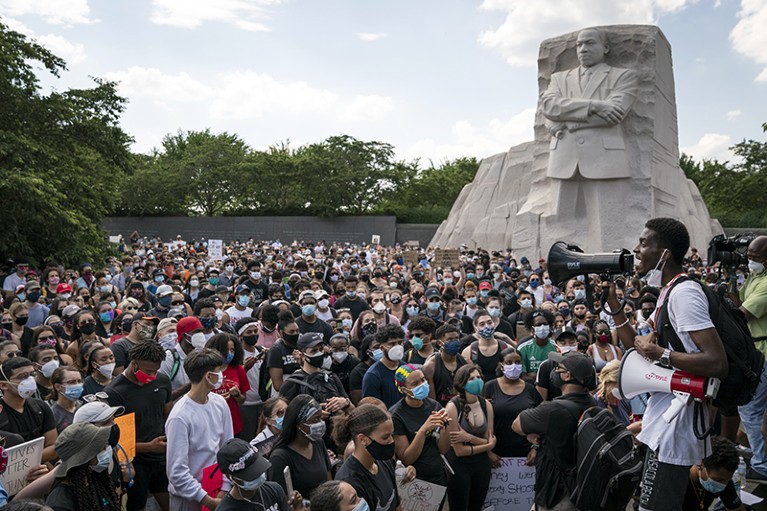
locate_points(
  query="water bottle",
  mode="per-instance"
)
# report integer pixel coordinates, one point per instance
(643, 328)
(399, 471)
(739, 477)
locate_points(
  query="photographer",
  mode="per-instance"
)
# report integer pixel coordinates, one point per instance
(672, 448)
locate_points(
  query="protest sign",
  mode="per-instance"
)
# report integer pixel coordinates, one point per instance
(127, 425)
(21, 460)
(511, 486)
(114, 239)
(410, 257)
(418, 495)
(215, 249)
(265, 446)
(447, 258)
(375, 239)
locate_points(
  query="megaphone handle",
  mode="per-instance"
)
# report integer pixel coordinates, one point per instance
(679, 402)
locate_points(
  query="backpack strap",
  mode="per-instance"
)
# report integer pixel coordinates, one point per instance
(474, 351)
(176, 364)
(300, 381)
(667, 336)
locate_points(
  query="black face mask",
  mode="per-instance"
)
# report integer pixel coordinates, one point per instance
(7, 326)
(250, 340)
(21, 321)
(114, 435)
(316, 360)
(369, 329)
(290, 339)
(381, 452)
(88, 328)
(556, 379)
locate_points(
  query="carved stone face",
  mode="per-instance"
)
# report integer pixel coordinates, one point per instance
(591, 47)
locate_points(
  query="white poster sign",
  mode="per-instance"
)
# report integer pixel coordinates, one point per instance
(420, 495)
(215, 249)
(511, 486)
(376, 239)
(21, 460)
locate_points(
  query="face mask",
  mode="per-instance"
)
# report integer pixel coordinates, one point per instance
(603, 338)
(309, 310)
(317, 360)
(377, 354)
(534, 284)
(107, 369)
(755, 267)
(88, 328)
(433, 306)
(219, 380)
(219, 314)
(168, 340)
(334, 278)
(486, 332)
(484, 293)
(209, 322)
(228, 358)
(33, 296)
(73, 392)
(494, 312)
(66, 296)
(381, 452)
(159, 279)
(512, 371)
(229, 268)
(213, 281)
(448, 281)
(564, 311)
(556, 379)
(452, 347)
(369, 329)
(542, 331)
(421, 392)
(475, 386)
(579, 315)
(291, 339)
(243, 300)
(102, 460)
(278, 422)
(104, 289)
(351, 294)
(526, 303)
(51, 343)
(566, 349)
(379, 308)
(199, 267)
(114, 435)
(250, 340)
(324, 303)
(412, 311)
(547, 282)
(580, 294)
(27, 387)
(255, 275)
(417, 343)
(21, 296)
(472, 300)
(316, 431)
(340, 356)
(654, 277)
(48, 368)
(470, 276)
(362, 505)
(165, 301)
(253, 485)
(396, 353)
(347, 323)
(712, 486)
(143, 378)
(136, 293)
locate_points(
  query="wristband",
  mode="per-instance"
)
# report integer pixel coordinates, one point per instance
(535, 446)
(472, 449)
(622, 324)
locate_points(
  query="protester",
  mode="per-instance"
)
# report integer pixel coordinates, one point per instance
(272, 417)
(253, 356)
(378, 381)
(484, 349)
(99, 365)
(540, 324)
(235, 383)
(712, 478)
(343, 362)
(67, 388)
(337, 496)
(440, 369)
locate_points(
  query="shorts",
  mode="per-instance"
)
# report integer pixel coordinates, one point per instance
(149, 477)
(661, 483)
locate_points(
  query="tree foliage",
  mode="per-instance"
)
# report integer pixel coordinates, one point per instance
(63, 157)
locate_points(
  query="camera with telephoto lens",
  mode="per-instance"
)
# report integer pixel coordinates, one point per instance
(729, 251)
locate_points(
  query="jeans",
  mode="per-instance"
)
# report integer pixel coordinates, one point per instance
(751, 415)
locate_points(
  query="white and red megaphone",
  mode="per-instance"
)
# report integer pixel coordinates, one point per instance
(638, 375)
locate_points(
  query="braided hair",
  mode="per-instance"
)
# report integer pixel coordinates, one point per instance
(363, 419)
(93, 491)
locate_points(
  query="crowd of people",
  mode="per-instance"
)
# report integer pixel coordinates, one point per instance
(323, 376)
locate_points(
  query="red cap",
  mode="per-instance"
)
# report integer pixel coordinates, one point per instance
(63, 288)
(186, 325)
(485, 285)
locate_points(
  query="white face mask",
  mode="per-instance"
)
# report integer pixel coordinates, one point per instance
(567, 349)
(654, 277)
(755, 267)
(323, 304)
(219, 381)
(396, 353)
(340, 356)
(379, 308)
(198, 340)
(48, 368)
(107, 369)
(27, 387)
(194, 283)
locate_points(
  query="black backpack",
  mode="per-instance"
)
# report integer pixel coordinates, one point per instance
(609, 465)
(744, 361)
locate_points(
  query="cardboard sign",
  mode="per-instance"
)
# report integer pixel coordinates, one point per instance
(413, 244)
(114, 239)
(511, 486)
(410, 257)
(215, 249)
(447, 258)
(375, 239)
(418, 495)
(21, 460)
(127, 425)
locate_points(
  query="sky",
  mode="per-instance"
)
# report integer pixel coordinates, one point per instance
(437, 79)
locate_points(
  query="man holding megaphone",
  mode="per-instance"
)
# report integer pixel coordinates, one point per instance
(671, 440)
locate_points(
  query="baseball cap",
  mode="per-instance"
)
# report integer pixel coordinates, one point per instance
(306, 294)
(242, 288)
(577, 364)
(240, 459)
(164, 290)
(559, 332)
(63, 288)
(320, 294)
(167, 322)
(186, 325)
(70, 311)
(309, 339)
(32, 284)
(431, 293)
(145, 317)
(485, 286)
(97, 411)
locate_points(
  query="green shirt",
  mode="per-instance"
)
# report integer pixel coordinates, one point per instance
(534, 355)
(753, 296)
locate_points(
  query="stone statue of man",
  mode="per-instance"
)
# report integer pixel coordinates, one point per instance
(584, 108)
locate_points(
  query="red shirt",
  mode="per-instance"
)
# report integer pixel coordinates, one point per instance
(234, 376)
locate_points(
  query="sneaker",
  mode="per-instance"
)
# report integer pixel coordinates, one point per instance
(752, 476)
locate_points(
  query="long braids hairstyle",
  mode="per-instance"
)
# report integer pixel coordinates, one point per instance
(93, 491)
(460, 380)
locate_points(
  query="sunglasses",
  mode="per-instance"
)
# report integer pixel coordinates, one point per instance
(179, 302)
(98, 396)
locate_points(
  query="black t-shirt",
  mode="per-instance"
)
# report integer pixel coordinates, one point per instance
(147, 402)
(355, 377)
(543, 379)
(280, 356)
(444, 379)
(505, 409)
(693, 494)
(321, 385)
(35, 421)
(319, 326)
(62, 498)
(344, 369)
(306, 474)
(407, 420)
(556, 423)
(355, 306)
(260, 290)
(91, 386)
(379, 491)
(270, 497)
(120, 349)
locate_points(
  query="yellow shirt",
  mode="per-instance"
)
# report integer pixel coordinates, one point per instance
(753, 296)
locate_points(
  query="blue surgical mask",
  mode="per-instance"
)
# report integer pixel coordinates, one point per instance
(255, 484)
(494, 312)
(278, 421)
(362, 505)
(159, 279)
(580, 293)
(421, 392)
(712, 486)
(377, 354)
(542, 331)
(309, 310)
(475, 386)
(243, 300)
(228, 358)
(412, 311)
(351, 294)
(73, 392)
(470, 276)
(433, 306)
(102, 460)
(525, 303)
(472, 300)
(213, 281)
(484, 293)
(347, 323)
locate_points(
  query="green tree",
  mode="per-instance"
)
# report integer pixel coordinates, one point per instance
(63, 157)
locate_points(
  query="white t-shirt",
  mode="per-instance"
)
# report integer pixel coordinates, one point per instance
(252, 397)
(675, 441)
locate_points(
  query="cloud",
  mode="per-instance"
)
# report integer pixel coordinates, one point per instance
(733, 114)
(370, 36)
(161, 87)
(528, 22)
(367, 108)
(749, 36)
(56, 12)
(469, 140)
(711, 146)
(248, 95)
(72, 53)
(243, 14)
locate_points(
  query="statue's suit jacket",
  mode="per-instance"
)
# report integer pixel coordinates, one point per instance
(583, 140)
